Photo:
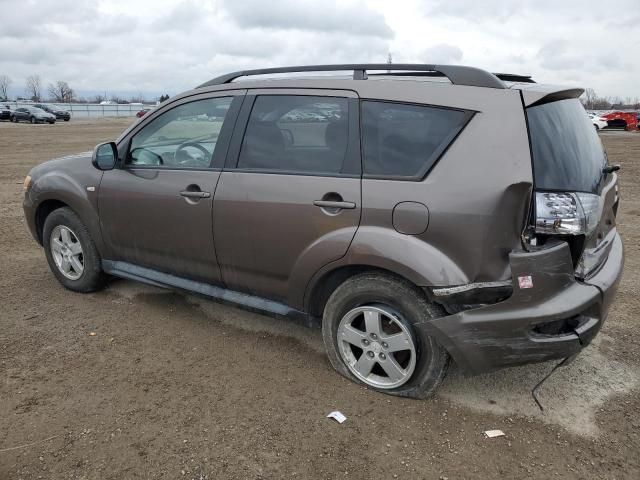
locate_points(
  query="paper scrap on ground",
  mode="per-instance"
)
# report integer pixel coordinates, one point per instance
(337, 416)
(494, 433)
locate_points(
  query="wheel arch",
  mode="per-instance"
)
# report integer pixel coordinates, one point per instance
(74, 199)
(43, 210)
(321, 287)
(381, 250)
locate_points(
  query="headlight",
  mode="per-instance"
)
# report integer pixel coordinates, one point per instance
(567, 213)
(27, 183)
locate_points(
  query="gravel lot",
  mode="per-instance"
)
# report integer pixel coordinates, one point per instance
(172, 386)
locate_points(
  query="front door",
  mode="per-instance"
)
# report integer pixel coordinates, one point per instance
(288, 201)
(155, 210)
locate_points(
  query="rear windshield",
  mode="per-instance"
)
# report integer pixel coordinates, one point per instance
(567, 152)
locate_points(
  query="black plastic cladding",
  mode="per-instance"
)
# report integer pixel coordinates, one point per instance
(457, 74)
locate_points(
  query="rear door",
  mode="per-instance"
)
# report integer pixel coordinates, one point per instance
(155, 210)
(289, 199)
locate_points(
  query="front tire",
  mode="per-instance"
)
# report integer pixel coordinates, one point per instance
(71, 253)
(368, 332)
(33, 120)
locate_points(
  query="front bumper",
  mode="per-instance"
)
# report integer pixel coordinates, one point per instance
(516, 331)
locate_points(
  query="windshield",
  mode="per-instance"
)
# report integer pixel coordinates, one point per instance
(567, 152)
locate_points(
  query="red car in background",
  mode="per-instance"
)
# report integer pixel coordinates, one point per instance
(142, 112)
(618, 119)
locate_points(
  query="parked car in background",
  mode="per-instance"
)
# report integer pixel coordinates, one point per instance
(58, 113)
(5, 111)
(598, 122)
(421, 221)
(620, 119)
(33, 115)
(142, 112)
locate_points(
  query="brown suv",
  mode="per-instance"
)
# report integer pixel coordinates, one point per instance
(425, 212)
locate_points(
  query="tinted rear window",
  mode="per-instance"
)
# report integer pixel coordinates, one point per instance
(567, 152)
(296, 133)
(401, 140)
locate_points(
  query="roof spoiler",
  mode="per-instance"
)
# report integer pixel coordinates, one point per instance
(534, 95)
(457, 74)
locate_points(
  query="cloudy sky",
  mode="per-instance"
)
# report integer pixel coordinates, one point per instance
(156, 46)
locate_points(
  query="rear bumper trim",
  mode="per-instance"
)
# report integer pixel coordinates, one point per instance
(448, 291)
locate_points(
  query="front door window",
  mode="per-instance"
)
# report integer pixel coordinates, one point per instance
(184, 137)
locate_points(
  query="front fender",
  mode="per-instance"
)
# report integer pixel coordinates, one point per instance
(62, 187)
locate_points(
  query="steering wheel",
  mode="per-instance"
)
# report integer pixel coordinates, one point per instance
(158, 157)
(196, 145)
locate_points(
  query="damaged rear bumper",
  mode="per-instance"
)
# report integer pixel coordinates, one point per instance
(555, 318)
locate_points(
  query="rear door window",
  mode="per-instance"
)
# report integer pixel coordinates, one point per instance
(296, 134)
(405, 141)
(567, 152)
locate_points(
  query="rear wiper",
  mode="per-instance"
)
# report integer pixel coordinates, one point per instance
(611, 168)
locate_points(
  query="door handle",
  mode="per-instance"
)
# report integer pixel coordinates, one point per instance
(195, 194)
(332, 204)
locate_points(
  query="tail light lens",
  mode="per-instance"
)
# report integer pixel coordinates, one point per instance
(564, 213)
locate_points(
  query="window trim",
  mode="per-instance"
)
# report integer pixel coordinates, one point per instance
(216, 161)
(438, 153)
(352, 165)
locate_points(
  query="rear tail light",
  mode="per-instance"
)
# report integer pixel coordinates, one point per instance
(564, 213)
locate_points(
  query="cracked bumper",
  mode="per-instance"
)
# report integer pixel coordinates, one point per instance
(508, 333)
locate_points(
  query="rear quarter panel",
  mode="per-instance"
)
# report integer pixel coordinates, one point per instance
(477, 195)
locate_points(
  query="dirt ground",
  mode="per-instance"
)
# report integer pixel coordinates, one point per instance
(172, 386)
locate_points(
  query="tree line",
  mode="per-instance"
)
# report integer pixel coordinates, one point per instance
(593, 101)
(61, 92)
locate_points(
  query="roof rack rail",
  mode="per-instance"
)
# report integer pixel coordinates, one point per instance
(506, 77)
(457, 74)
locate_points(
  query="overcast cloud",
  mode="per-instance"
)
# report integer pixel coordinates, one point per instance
(157, 46)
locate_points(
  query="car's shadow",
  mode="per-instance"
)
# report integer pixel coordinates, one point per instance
(571, 397)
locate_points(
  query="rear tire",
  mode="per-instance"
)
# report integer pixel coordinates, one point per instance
(71, 253)
(33, 120)
(414, 369)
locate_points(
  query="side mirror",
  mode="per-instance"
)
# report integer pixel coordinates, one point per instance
(105, 156)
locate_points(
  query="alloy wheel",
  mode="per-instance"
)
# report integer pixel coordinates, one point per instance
(67, 252)
(377, 346)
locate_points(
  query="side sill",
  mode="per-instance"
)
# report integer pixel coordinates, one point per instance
(222, 295)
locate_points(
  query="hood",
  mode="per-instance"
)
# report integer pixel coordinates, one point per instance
(75, 160)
